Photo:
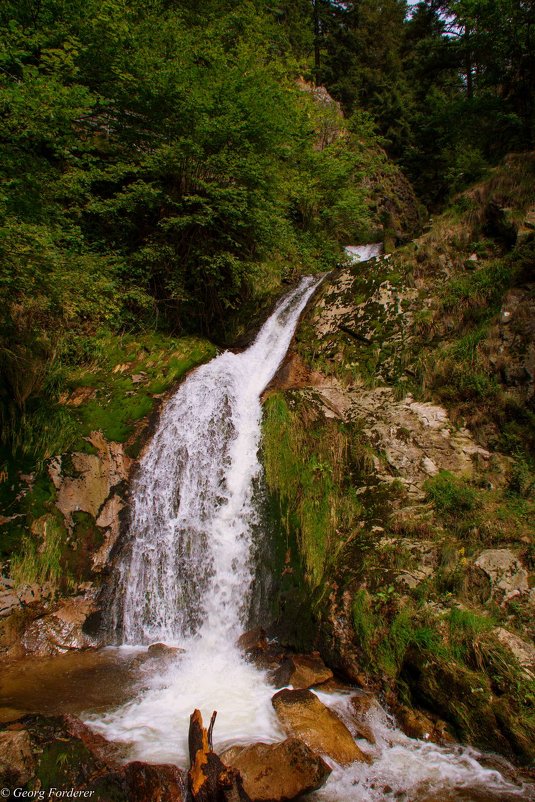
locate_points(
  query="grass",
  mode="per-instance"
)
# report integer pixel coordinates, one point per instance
(450, 494)
(307, 467)
(40, 558)
(126, 374)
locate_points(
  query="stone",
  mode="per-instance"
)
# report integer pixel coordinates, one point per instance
(302, 671)
(522, 650)
(253, 641)
(507, 575)
(154, 783)
(109, 520)
(277, 772)
(417, 725)
(95, 476)
(61, 630)
(362, 705)
(303, 716)
(163, 650)
(17, 764)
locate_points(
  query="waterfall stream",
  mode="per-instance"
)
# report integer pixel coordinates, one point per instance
(186, 574)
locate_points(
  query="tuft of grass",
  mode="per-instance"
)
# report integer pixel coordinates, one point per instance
(40, 558)
(450, 494)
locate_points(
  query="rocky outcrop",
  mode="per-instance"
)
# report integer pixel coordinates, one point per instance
(90, 487)
(303, 715)
(277, 772)
(61, 630)
(362, 706)
(521, 650)
(301, 671)
(507, 576)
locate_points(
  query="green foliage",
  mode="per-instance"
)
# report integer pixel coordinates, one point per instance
(160, 172)
(40, 560)
(450, 494)
(308, 470)
(384, 639)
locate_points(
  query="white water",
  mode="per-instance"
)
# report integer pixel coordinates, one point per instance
(362, 253)
(406, 770)
(186, 579)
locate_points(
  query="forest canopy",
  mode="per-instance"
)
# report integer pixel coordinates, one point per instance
(162, 167)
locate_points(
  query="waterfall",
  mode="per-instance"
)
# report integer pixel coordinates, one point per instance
(185, 578)
(188, 566)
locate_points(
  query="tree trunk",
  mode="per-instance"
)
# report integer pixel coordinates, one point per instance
(317, 54)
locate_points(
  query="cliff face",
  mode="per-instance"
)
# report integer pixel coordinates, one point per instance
(398, 442)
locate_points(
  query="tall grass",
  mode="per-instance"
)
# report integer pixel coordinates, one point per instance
(307, 468)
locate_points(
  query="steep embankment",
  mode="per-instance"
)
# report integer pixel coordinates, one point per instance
(398, 448)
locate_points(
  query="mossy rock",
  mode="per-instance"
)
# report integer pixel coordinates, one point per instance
(464, 699)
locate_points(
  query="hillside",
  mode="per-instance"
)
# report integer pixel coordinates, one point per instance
(399, 454)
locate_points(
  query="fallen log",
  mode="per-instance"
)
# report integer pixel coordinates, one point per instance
(209, 780)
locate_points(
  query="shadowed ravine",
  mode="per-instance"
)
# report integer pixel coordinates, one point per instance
(185, 578)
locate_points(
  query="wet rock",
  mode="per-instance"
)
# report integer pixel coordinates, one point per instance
(277, 772)
(163, 650)
(362, 705)
(303, 715)
(417, 725)
(65, 753)
(154, 783)
(301, 671)
(253, 641)
(95, 475)
(110, 521)
(465, 700)
(17, 764)
(62, 751)
(61, 630)
(507, 575)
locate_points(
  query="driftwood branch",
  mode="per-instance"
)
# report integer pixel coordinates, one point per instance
(209, 779)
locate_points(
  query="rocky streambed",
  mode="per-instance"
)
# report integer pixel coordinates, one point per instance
(336, 742)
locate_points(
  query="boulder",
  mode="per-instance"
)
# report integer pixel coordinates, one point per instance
(277, 772)
(417, 725)
(301, 671)
(303, 715)
(17, 764)
(154, 783)
(253, 641)
(362, 704)
(163, 650)
(61, 630)
(507, 575)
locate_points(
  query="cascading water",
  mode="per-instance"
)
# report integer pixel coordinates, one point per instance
(189, 562)
(186, 575)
